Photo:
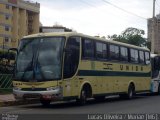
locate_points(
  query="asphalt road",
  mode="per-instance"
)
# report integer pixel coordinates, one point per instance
(140, 104)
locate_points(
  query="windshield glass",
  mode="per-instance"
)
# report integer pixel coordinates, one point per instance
(39, 59)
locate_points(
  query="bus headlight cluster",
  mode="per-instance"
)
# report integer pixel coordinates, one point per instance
(16, 88)
(53, 88)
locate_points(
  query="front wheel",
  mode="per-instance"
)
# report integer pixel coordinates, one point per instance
(83, 98)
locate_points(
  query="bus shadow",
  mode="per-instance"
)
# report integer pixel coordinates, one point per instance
(73, 104)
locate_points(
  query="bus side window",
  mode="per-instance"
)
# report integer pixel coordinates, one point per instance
(141, 57)
(101, 50)
(114, 52)
(88, 49)
(124, 54)
(71, 59)
(134, 56)
(147, 58)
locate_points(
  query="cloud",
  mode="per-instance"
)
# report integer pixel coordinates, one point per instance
(95, 17)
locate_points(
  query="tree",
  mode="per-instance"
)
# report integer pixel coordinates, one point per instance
(132, 36)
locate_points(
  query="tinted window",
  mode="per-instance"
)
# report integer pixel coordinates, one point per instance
(124, 53)
(147, 58)
(71, 57)
(101, 50)
(114, 52)
(7, 6)
(88, 48)
(6, 28)
(6, 17)
(134, 55)
(141, 57)
(6, 39)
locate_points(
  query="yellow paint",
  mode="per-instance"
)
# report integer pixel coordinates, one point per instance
(99, 84)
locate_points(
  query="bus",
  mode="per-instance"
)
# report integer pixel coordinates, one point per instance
(69, 65)
(155, 82)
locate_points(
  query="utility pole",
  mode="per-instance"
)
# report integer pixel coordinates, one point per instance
(153, 29)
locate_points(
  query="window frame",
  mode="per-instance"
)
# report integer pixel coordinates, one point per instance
(110, 58)
(6, 39)
(143, 62)
(135, 62)
(145, 57)
(83, 56)
(7, 28)
(103, 43)
(6, 17)
(7, 6)
(125, 56)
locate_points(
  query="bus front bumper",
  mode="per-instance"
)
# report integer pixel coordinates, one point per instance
(55, 94)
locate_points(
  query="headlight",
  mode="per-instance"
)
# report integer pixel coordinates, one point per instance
(53, 88)
(16, 88)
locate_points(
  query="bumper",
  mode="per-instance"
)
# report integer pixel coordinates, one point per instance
(55, 94)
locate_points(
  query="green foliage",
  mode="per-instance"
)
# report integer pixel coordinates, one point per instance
(131, 36)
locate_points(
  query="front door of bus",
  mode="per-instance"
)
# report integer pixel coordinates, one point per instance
(71, 61)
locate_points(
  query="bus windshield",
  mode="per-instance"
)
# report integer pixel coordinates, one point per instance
(39, 59)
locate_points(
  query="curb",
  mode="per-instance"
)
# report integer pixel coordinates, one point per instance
(18, 102)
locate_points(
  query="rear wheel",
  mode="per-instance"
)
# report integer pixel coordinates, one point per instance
(45, 102)
(130, 94)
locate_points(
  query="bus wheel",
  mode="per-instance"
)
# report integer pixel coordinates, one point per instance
(130, 93)
(45, 102)
(83, 97)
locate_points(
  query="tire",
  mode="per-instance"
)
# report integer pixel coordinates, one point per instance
(45, 103)
(130, 93)
(83, 98)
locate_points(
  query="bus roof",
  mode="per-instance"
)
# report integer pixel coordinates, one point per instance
(67, 34)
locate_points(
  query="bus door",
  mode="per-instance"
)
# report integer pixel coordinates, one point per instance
(71, 62)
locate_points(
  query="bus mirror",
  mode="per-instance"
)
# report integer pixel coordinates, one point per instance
(13, 49)
(12, 55)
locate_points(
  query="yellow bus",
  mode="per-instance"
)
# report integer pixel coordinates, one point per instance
(65, 66)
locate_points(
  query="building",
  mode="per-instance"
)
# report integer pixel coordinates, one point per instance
(54, 29)
(17, 19)
(154, 33)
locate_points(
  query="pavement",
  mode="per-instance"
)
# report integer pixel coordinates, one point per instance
(9, 100)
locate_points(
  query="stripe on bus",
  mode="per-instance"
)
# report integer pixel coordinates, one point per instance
(112, 73)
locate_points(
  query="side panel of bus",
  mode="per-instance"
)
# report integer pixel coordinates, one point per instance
(107, 76)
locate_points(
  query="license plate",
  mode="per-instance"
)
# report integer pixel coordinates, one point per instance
(32, 96)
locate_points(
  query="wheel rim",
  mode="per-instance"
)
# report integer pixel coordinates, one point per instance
(131, 94)
(83, 97)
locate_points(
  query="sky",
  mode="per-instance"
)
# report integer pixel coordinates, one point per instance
(97, 17)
